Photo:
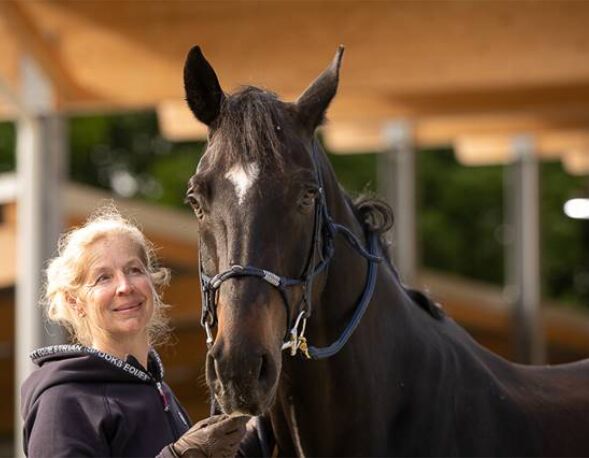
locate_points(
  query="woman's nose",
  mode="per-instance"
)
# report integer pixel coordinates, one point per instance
(124, 284)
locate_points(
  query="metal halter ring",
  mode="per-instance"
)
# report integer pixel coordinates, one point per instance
(208, 323)
(297, 339)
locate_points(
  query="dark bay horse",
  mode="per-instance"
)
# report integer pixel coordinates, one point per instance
(289, 262)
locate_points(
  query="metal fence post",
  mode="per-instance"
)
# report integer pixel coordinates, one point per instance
(523, 250)
(396, 181)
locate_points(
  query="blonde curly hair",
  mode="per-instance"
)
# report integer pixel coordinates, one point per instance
(66, 272)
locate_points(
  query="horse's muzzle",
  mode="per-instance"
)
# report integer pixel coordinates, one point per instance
(243, 381)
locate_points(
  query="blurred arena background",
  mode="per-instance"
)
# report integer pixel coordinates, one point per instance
(470, 118)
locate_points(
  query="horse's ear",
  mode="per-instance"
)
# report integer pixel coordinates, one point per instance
(203, 91)
(313, 103)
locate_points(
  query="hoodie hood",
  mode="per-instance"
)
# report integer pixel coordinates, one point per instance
(60, 364)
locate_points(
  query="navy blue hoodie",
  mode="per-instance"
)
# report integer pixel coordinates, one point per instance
(83, 402)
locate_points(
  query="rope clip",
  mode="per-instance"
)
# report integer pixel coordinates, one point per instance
(208, 323)
(297, 340)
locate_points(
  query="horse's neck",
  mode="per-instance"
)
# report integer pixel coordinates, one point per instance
(336, 405)
(313, 393)
(394, 371)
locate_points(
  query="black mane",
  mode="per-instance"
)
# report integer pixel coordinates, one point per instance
(377, 216)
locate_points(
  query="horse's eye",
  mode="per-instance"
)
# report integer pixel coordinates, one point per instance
(198, 211)
(196, 206)
(307, 199)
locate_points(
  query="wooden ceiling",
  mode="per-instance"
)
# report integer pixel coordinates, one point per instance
(452, 68)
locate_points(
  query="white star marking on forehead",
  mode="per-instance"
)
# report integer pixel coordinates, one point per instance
(243, 179)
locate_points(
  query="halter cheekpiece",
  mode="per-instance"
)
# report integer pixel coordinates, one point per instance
(321, 252)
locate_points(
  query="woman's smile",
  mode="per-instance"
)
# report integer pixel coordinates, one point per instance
(129, 308)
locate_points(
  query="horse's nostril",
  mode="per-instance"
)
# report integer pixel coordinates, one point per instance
(262, 369)
(265, 372)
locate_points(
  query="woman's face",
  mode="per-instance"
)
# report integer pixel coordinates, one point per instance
(118, 296)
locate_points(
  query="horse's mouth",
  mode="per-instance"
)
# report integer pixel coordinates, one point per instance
(243, 383)
(235, 401)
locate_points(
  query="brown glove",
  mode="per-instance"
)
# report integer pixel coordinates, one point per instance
(216, 436)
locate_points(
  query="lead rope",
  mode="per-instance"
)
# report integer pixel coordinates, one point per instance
(298, 341)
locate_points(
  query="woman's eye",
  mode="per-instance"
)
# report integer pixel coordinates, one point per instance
(103, 278)
(138, 270)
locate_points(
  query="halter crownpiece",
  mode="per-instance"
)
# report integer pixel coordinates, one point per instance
(324, 233)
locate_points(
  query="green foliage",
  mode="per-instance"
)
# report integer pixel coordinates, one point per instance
(565, 241)
(7, 147)
(356, 172)
(126, 153)
(460, 216)
(173, 172)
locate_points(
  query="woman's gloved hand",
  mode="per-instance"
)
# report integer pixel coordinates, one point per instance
(216, 436)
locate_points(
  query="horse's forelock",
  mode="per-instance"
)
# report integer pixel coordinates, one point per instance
(250, 129)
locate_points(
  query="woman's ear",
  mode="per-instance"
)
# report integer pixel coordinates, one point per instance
(76, 304)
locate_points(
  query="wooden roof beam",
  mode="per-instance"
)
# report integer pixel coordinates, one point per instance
(539, 99)
(576, 161)
(572, 147)
(32, 40)
(362, 136)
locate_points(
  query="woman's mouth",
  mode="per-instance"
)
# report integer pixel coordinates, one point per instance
(128, 308)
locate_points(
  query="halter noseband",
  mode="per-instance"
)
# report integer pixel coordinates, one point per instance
(325, 230)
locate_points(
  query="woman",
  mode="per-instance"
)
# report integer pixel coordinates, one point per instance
(105, 395)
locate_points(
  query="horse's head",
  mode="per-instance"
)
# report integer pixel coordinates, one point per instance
(255, 194)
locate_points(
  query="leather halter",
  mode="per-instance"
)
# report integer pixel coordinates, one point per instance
(325, 230)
